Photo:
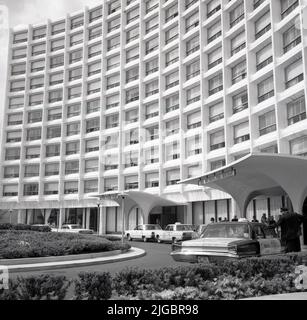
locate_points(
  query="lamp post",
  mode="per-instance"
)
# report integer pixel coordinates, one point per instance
(122, 196)
(10, 212)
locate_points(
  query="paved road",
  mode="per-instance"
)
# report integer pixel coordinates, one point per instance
(157, 255)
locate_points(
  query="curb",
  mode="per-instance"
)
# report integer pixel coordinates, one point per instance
(133, 253)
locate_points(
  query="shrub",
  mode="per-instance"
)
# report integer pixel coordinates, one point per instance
(24, 244)
(24, 227)
(93, 286)
(44, 287)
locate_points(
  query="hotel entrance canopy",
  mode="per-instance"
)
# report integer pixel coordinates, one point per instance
(259, 174)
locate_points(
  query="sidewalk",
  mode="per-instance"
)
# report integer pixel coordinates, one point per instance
(286, 296)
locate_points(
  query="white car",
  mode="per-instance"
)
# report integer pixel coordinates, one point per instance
(143, 232)
(73, 228)
(176, 232)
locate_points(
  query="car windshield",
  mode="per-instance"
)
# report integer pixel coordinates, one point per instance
(75, 226)
(226, 231)
(181, 227)
(152, 227)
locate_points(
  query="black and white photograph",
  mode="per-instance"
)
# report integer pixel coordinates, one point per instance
(153, 154)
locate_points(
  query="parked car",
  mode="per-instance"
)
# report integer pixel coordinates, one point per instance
(176, 232)
(73, 228)
(200, 229)
(143, 232)
(229, 240)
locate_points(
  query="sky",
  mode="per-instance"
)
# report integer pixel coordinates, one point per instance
(18, 13)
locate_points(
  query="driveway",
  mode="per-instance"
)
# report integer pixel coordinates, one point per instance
(157, 256)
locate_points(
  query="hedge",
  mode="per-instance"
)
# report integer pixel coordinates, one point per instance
(25, 244)
(24, 227)
(220, 281)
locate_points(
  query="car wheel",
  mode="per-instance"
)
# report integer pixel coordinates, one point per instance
(158, 239)
(129, 237)
(145, 239)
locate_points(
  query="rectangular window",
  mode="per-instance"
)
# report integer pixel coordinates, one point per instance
(194, 171)
(112, 121)
(192, 45)
(171, 34)
(94, 68)
(76, 39)
(152, 88)
(152, 133)
(93, 106)
(132, 95)
(111, 162)
(57, 61)
(34, 134)
(152, 180)
(73, 129)
(92, 145)
(90, 186)
(112, 101)
(241, 132)
(72, 167)
(152, 45)
(53, 132)
(51, 188)
(212, 7)
(113, 81)
(214, 31)
(217, 140)
(76, 56)
(76, 22)
(16, 103)
(91, 165)
(113, 62)
(114, 6)
(110, 184)
(132, 116)
(56, 78)
(262, 25)
(30, 189)
(193, 146)
(19, 53)
(33, 152)
(298, 146)
(94, 33)
(93, 87)
(75, 74)
(10, 190)
(172, 57)
(20, 37)
(11, 172)
(18, 69)
(267, 123)
(287, 6)
(12, 154)
(218, 164)
(264, 57)
(193, 95)
(265, 89)
(215, 84)
(152, 155)
(74, 92)
(72, 148)
(172, 127)
(171, 12)
(193, 70)
(132, 54)
(172, 80)
(13, 136)
(131, 159)
(152, 110)
(172, 177)
(239, 102)
(58, 44)
(239, 72)
(216, 112)
(31, 171)
(194, 120)
(132, 34)
(71, 187)
(17, 86)
(93, 125)
(95, 14)
(52, 169)
(238, 43)
(131, 182)
(73, 110)
(294, 73)
(38, 65)
(14, 119)
(36, 99)
(152, 24)
(58, 28)
(38, 49)
(192, 21)
(132, 74)
(215, 58)
(151, 5)
(113, 43)
(113, 25)
(152, 66)
(296, 110)
(55, 96)
(36, 83)
(53, 150)
(236, 15)
(172, 103)
(291, 38)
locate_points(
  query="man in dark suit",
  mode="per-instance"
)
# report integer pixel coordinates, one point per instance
(290, 224)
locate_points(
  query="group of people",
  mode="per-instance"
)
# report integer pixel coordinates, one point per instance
(289, 224)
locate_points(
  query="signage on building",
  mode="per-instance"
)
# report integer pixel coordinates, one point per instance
(219, 175)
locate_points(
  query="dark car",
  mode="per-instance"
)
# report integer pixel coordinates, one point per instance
(229, 240)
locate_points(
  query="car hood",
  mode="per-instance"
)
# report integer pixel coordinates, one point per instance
(212, 242)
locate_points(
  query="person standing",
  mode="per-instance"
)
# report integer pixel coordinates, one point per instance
(212, 220)
(235, 219)
(264, 219)
(255, 219)
(290, 224)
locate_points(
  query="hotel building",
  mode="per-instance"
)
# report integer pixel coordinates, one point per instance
(134, 96)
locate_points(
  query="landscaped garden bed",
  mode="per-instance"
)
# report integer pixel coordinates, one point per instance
(16, 244)
(222, 281)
